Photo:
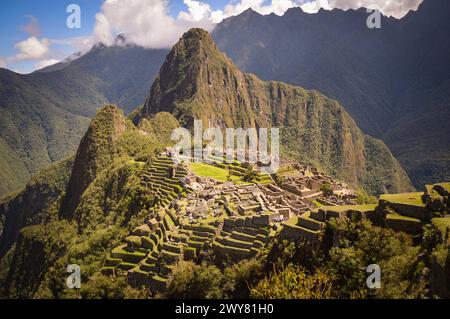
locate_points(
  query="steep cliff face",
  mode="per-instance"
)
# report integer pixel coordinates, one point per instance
(197, 81)
(32, 205)
(37, 252)
(106, 196)
(97, 150)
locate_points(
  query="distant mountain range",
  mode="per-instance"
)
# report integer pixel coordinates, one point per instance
(43, 115)
(394, 81)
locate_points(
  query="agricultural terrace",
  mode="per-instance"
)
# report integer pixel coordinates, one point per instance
(413, 199)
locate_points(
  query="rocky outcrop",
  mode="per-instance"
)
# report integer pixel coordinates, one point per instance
(96, 151)
(31, 206)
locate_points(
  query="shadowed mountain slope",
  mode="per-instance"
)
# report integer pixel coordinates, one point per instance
(197, 81)
(394, 81)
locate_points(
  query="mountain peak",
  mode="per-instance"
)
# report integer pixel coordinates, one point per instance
(250, 11)
(96, 151)
(196, 33)
(199, 82)
(195, 39)
(294, 11)
(191, 67)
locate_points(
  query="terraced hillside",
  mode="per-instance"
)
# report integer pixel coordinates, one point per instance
(208, 211)
(162, 177)
(403, 212)
(206, 219)
(176, 230)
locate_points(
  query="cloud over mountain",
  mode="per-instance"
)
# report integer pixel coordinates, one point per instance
(149, 23)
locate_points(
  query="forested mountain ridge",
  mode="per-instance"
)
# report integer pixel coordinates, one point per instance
(43, 115)
(393, 80)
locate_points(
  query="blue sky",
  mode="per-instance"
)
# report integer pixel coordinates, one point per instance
(34, 33)
(51, 17)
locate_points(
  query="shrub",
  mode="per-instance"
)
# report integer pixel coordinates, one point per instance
(294, 282)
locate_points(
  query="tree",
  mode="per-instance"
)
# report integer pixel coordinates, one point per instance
(294, 282)
(239, 277)
(103, 287)
(358, 244)
(195, 282)
(326, 189)
(249, 176)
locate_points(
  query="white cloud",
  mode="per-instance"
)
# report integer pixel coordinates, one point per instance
(395, 8)
(148, 23)
(46, 62)
(79, 44)
(32, 49)
(264, 7)
(197, 11)
(315, 6)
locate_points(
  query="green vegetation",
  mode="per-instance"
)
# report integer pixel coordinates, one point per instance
(326, 189)
(249, 175)
(443, 225)
(364, 198)
(112, 203)
(421, 139)
(293, 282)
(207, 170)
(414, 199)
(43, 115)
(359, 208)
(35, 202)
(116, 214)
(401, 217)
(207, 281)
(362, 244)
(314, 129)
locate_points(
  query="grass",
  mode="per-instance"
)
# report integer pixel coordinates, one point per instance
(413, 199)
(401, 217)
(292, 221)
(360, 208)
(206, 170)
(442, 223)
(444, 185)
(231, 248)
(315, 202)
